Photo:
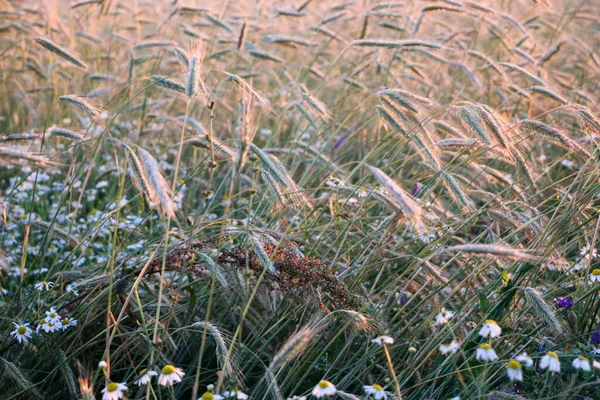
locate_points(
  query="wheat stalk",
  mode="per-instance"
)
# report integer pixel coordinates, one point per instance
(54, 48)
(394, 44)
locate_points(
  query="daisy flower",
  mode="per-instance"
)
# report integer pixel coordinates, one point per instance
(114, 391)
(449, 348)
(236, 394)
(443, 317)
(67, 322)
(145, 377)
(514, 371)
(3, 291)
(595, 275)
(376, 391)
(46, 326)
(523, 358)
(486, 353)
(490, 328)
(550, 362)
(585, 250)
(52, 327)
(334, 182)
(53, 316)
(102, 364)
(380, 340)
(324, 388)
(360, 192)
(170, 375)
(210, 396)
(43, 285)
(582, 363)
(22, 332)
(72, 289)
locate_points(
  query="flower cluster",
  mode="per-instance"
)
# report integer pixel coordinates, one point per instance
(51, 322)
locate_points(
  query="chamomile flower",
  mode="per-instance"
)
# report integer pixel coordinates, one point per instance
(550, 362)
(587, 249)
(582, 363)
(67, 322)
(449, 348)
(324, 388)
(380, 340)
(114, 391)
(170, 375)
(3, 291)
(524, 359)
(43, 285)
(595, 276)
(210, 396)
(361, 193)
(145, 377)
(102, 364)
(47, 326)
(514, 371)
(376, 391)
(53, 316)
(72, 289)
(22, 332)
(490, 328)
(485, 352)
(235, 394)
(443, 317)
(334, 182)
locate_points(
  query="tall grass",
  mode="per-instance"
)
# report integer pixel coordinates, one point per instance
(372, 199)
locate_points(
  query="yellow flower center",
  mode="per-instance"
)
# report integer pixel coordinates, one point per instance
(112, 387)
(42, 321)
(52, 315)
(21, 330)
(490, 321)
(514, 364)
(596, 272)
(377, 387)
(168, 370)
(208, 396)
(552, 354)
(65, 321)
(485, 346)
(324, 384)
(582, 358)
(142, 372)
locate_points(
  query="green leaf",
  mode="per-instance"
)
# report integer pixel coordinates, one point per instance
(484, 303)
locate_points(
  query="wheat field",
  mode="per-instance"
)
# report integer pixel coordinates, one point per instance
(294, 200)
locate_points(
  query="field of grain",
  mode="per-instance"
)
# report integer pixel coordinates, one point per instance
(297, 200)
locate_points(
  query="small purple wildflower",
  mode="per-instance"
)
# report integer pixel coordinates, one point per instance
(417, 188)
(595, 337)
(513, 389)
(403, 299)
(339, 143)
(563, 302)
